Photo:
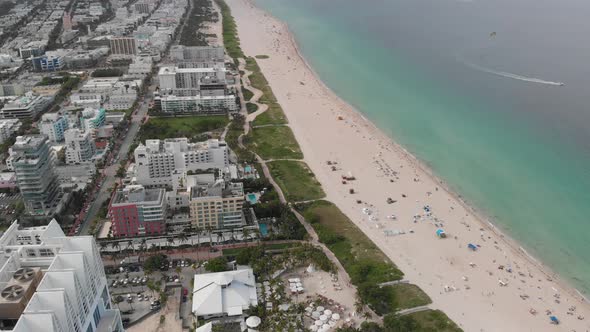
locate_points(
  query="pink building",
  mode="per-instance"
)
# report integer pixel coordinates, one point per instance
(67, 21)
(8, 180)
(136, 211)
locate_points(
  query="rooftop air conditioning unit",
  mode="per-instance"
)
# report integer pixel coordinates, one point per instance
(15, 296)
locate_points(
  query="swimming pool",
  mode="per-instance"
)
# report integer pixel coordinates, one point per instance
(252, 198)
(263, 229)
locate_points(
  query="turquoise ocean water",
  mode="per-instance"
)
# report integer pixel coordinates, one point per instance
(484, 110)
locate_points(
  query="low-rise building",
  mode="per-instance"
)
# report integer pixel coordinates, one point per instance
(223, 294)
(136, 211)
(26, 107)
(7, 180)
(8, 127)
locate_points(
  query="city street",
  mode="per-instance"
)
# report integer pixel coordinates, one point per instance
(111, 170)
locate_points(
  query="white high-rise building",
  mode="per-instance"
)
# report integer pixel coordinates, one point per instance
(158, 161)
(53, 283)
(33, 163)
(186, 81)
(206, 55)
(79, 146)
(53, 125)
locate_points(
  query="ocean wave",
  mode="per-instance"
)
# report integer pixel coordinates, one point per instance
(513, 76)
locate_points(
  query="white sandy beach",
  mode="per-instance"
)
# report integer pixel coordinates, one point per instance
(470, 295)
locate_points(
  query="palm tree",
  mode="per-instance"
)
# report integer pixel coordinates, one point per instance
(154, 247)
(182, 238)
(143, 245)
(117, 247)
(170, 241)
(233, 237)
(210, 231)
(103, 246)
(130, 246)
(256, 232)
(198, 232)
(245, 234)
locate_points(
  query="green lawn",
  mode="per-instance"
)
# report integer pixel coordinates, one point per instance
(434, 320)
(274, 143)
(247, 94)
(296, 180)
(404, 296)
(251, 108)
(258, 81)
(273, 115)
(261, 56)
(126, 111)
(231, 41)
(191, 127)
(361, 258)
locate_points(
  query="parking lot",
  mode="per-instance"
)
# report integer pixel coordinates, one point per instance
(136, 293)
(7, 202)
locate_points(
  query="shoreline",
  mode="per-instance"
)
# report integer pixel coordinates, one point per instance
(347, 110)
(482, 218)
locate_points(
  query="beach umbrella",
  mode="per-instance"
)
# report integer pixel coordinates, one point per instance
(323, 318)
(332, 323)
(321, 309)
(335, 316)
(314, 328)
(328, 312)
(309, 309)
(326, 327)
(315, 315)
(319, 323)
(253, 322)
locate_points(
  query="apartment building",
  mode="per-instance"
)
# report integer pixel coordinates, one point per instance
(217, 204)
(205, 55)
(196, 104)
(80, 146)
(26, 107)
(53, 283)
(36, 178)
(142, 8)
(111, 93)
(158, 160)
(92, 118)
(54, 125)
(186, 81)
(123, 45)
(137, 211)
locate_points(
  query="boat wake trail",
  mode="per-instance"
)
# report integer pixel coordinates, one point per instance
(513, 76)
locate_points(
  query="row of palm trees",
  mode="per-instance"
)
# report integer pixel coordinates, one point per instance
(248, 234)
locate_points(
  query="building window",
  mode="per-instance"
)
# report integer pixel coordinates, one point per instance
(44, 252)
(96, 316)
(31, 253)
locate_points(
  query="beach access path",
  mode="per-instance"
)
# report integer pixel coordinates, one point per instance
(314, 238)
(465, 284)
